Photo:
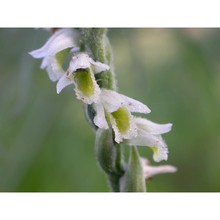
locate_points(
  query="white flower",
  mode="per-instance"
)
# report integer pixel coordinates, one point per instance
(54, 50)
(117, 108)
(148, 134)
(114, 109)
(150, 171)
(81, 73)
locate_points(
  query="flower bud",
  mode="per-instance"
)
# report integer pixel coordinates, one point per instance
(106, 150)
(109, 157)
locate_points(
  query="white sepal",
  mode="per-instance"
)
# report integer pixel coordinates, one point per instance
(83, 61)
(63, 82)
(54, 69)
(60, 40)
(113, 100)
(135, 106)
(150, 171)
(79, 61)
(154, 141)
(99, 67)
(151, 127)
(99, 119)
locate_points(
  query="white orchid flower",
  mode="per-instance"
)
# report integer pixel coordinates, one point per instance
(81, 73)
(54, 50)
(150, 171)
(149, 134)
(117, 108)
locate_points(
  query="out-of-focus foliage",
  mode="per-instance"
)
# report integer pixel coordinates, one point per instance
(46, 143)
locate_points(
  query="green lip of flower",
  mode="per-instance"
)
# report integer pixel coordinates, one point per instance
(122, 119)
(86, 87)
(83, 82)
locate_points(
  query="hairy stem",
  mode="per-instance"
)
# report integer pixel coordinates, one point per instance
(96, 42)
(108, 152)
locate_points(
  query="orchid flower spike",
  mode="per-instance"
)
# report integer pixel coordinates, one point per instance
(150, 171)
(115, 109)
(149, 134)
(81, 73)
(54, 50)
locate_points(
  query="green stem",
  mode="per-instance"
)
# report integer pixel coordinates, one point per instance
(108, 152)
(96, 41)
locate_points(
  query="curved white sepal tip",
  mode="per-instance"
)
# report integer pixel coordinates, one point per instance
(63, 82)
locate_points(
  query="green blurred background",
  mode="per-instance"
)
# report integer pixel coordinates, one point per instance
(46, 143)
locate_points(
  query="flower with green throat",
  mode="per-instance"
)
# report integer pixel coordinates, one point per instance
(54, 51)
(115, 109)
(149, 134)
(81, 74)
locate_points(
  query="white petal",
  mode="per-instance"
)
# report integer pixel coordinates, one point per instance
(55, 71)
(144, 139)
(63, 82)
(147, 139)
(60, 40)
(118, 136)
(39, 53)
(67, 38)
(111, 100)
(42, 52)
(99, 67)
(45, 62)
(99, 119)
(80, 61)
(135, 106)
(83, 61)
(152, 127)
(150, 171)
(75, 49)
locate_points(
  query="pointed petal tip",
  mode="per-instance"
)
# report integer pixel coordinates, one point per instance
(148, 110)
(171, 169)
(33, 54)
(38, 53)
(62, 83)
(169, 127)
(58, 91)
